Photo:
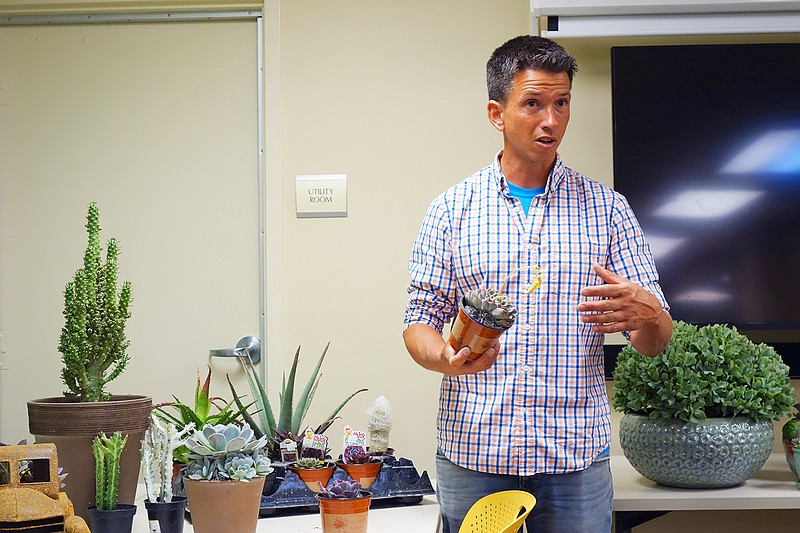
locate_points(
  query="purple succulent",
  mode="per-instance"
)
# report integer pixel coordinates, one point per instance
(356, 455)
(341, 489)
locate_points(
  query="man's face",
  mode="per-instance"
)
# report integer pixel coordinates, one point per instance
(535, 116)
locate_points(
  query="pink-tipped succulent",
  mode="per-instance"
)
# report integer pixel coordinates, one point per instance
(340, 489)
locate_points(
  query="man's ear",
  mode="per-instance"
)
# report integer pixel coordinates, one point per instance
(495, 112)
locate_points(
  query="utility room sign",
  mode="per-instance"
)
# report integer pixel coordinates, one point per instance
(321, 195)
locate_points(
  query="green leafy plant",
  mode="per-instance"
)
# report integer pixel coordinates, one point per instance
(199, 415)
(491, 308)
(107, 451)
(791, 429)
(227, 452)
(93, 345)
(711, 371)
(291, 416)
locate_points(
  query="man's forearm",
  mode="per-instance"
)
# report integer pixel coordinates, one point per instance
(425, 345)
(653, 338)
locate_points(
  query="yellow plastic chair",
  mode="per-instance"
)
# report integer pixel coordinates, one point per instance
(500, 512)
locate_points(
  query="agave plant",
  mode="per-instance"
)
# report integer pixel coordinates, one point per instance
(340, 489)
(227, 452)
(491, 308)
(289, 423)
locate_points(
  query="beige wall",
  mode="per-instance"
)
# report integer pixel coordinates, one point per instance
(392, 94)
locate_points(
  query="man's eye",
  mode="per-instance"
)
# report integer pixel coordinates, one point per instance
(563, 102)
(530, 103)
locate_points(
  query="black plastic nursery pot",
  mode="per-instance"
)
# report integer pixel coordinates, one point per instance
(169, 515)
(119, 520)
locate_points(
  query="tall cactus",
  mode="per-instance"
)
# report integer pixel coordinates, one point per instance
(107, 451)
(93, 343)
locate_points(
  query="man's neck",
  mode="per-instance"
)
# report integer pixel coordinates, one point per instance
(525, 174)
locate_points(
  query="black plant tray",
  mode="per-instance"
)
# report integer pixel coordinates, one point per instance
(398, 483)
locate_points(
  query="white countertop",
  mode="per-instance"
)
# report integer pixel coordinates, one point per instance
(773, 487)
(422, 517)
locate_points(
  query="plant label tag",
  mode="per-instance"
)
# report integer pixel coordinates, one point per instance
(353, 437)
(155, 526)
(288, 450)
(313, 441)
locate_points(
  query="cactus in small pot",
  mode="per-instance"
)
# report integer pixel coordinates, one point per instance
(107, 451)
(161, 439)
(93, 344)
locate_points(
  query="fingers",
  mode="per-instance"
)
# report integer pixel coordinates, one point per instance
(458, 363)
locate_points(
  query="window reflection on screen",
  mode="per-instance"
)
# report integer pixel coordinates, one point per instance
(707, 151)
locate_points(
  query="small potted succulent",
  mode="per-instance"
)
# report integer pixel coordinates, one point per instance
(484, 314)
(158, 447)
(356, 461)
(794, 443)
(313, 471)
(790, 431)
(225, 477)
(343, 507)
(107, 514)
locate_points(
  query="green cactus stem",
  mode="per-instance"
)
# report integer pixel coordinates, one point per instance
(107, 452)
(93, 343)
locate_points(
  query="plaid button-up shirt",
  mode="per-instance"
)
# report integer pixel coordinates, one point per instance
(542, 407)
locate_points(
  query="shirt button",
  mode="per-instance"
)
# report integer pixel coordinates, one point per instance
(526, 327)
(526, 368)
(529, 246)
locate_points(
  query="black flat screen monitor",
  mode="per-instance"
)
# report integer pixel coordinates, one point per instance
(707, 152)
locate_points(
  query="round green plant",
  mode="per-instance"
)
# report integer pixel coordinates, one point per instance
(705, 372)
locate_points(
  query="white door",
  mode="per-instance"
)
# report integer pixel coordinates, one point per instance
(158, 123)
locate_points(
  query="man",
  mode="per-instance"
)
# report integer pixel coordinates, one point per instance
(532, 412)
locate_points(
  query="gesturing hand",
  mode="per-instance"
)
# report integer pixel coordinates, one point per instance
(621, 305)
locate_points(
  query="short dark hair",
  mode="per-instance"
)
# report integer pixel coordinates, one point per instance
(526, 52)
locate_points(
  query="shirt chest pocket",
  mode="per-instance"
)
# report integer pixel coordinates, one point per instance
(569, 265)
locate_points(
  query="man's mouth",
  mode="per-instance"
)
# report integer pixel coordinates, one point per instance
(547, 141)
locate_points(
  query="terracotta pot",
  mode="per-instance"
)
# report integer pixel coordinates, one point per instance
(363, 473)
(229, 506)
(344, 516)
(467, 332)
(310, 476)
(72, 425)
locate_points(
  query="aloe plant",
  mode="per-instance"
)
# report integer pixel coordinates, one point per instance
(291, 415)
(200, 414)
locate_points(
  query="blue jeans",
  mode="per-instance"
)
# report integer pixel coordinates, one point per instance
(578, 502)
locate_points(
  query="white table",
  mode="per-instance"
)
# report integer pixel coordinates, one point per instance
(422, 517)
(637, 500)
